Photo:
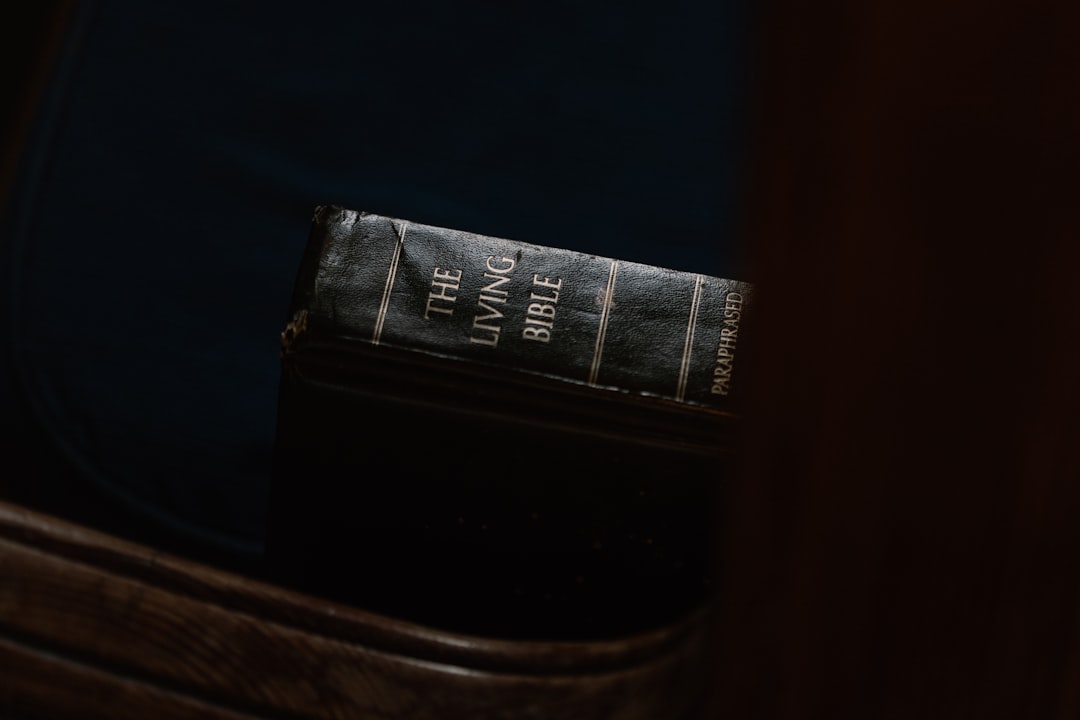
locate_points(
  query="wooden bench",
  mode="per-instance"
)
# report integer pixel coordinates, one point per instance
(95, 627)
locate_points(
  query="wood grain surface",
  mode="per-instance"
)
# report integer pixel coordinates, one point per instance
(903, 540)
(94, 627)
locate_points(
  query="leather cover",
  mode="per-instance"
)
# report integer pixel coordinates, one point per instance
(500, 438)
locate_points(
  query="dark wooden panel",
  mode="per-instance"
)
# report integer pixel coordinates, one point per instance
(903, 540)
(242, 646)
(38, 684)
(30, 37)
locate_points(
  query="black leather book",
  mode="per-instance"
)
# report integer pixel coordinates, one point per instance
(500, 438)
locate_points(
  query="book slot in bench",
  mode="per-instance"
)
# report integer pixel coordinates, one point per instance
(501, 438)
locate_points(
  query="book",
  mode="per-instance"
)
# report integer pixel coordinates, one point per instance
(497, 437)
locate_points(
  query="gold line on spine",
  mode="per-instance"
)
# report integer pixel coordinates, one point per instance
(605, 314)
(385, 304)
(691, 323)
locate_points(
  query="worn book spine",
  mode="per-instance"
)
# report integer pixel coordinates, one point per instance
(499, 438)
(592, 321)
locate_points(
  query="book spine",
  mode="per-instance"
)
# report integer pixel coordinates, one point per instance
(595, 321)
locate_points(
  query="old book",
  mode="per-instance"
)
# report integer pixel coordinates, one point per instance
(501, 438)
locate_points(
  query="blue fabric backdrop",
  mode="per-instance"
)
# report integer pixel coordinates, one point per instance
(165, 198)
